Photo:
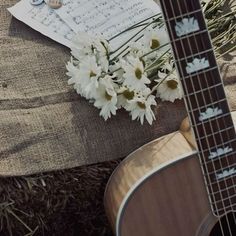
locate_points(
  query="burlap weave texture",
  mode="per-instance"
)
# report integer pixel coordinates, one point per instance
(45, 125)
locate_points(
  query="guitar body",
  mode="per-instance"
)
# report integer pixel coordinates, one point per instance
(159, 190)
(167, 188)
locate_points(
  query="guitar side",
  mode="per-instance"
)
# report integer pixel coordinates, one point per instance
(159, 190)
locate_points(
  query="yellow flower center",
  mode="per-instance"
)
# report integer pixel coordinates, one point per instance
(141, 105)
(92, 74)
(138, 73)
(172, 84)
(155, 44)
(108, 97)
(128, 94)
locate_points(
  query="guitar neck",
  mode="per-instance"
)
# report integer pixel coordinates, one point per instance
(205, 99)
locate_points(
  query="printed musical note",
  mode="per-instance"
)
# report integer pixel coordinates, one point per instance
(45, 20)
(106, 17)
(103, 17)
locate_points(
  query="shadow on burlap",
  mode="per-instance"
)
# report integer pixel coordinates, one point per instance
(45, 125)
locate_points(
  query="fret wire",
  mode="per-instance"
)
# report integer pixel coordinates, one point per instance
(222, 190)
(228, 162)
(224, 157)
(193, 118)
(173, 43)
(210, 96)
(226, 207)
(223, 179)
(230, 206)
(206, 105)
(224, 199)
(194, 55)
(191, 76)
(222, 169)
(188, 36)
(227, 142)
(212, 119)
(217, 144)
(223, 203)
(208, 143)
(221, 157)
(232, 178)
(200, 72)
(205, 89)
(214, 133)
(212, 183)
(182, 15)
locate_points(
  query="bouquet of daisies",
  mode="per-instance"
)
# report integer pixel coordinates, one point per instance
(133, 76)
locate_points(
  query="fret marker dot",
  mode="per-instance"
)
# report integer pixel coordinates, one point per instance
(186, 26)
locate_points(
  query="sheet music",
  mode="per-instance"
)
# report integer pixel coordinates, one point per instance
(96, 17)
(43, 19)
(106, 17)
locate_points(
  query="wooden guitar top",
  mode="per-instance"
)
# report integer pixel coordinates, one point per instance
(167, 149)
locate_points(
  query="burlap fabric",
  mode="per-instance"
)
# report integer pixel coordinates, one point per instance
(45, 125)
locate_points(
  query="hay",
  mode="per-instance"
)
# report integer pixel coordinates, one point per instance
(61, 203)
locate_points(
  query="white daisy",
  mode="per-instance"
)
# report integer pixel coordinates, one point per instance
(89, 75)
(103, 50)
(106, 98)
(124, 96)
(73, 72)
(140, 107)
(168, 66)
(170, 89)
(82, 46)
(117, 71)
(137, 49)
(154, 39)
(134, 77)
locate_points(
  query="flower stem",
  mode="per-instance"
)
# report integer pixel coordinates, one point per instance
(228, 51)
(156, 86)
(214, 7)
(133, 26)
(228, 32)
(126, 42)
(152, 67)
(154, 50)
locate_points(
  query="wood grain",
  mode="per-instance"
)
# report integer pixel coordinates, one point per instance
(171, 202)
(168, 196)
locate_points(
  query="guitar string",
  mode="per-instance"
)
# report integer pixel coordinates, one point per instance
(202, 160)
(194, 94)
(211, 98)
(217, 121)
(187, 98)
(226, 156)
(212, 130)
(227, 220)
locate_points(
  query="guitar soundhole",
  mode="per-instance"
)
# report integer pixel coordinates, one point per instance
(228, 224)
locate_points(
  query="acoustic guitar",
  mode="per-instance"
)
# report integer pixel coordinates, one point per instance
(183, 184)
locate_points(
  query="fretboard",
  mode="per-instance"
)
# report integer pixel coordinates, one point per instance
(205, 99)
